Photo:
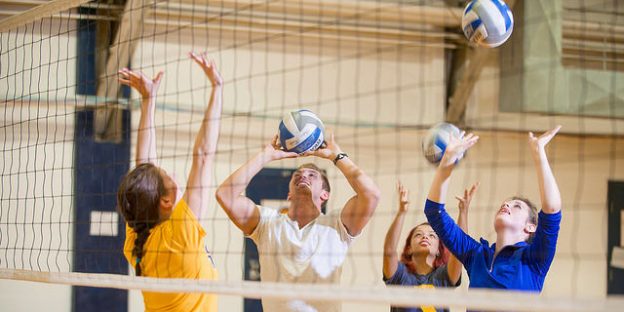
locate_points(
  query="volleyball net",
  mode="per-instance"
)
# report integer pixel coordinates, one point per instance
(378, 73)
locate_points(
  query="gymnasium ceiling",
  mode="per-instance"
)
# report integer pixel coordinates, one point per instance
(591, 35)
(592, 30)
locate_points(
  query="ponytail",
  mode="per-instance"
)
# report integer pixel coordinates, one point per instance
(142, 235)
(138, 200)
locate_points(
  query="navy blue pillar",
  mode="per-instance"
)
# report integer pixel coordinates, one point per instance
(615, 275)
(99, 231)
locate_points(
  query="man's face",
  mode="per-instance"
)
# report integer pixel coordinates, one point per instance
(307, 182)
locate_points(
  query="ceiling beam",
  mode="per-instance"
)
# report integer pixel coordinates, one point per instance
(39, 12)
(468, 76)
(107, 120)
(381, 12)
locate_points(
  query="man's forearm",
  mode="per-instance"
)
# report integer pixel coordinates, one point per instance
(361, 183)
(238, 181)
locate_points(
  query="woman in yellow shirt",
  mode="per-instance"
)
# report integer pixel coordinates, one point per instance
(164, 238)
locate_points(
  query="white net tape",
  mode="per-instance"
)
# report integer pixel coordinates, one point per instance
(472, 299)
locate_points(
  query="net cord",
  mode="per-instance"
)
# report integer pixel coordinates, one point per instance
(481, 299)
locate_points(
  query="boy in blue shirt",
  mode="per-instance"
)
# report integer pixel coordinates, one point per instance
(525, 240)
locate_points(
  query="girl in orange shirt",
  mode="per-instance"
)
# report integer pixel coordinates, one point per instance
(164, 238)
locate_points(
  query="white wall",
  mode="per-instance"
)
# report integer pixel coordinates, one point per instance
(36, 163)
(36, 211)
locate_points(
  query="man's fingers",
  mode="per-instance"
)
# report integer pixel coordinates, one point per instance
(275, 140)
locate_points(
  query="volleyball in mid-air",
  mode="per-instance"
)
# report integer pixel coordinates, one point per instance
(487, 23)
(301, 131)
(435, 141)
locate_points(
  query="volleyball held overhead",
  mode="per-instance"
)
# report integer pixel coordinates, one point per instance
(301, 131)
(487, 23)
(436, 139)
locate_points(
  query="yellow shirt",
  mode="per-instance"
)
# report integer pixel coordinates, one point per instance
(175, 249)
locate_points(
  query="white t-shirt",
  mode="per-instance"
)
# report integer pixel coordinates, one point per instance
(313, 254)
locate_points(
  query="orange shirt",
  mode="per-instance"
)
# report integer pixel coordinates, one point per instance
(175, 249)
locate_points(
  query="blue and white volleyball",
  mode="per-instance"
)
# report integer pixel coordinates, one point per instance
(487, 23)
(301, 131)
(435, 141)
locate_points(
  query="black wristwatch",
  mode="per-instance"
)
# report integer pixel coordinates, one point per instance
(339, 157)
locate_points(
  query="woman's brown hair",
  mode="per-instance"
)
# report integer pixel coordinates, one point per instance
(138, 200)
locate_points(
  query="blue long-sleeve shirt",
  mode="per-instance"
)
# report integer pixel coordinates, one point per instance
(522, 266)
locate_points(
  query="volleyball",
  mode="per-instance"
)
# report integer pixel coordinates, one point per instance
(301, 131)
(435, 141)
(487, 23)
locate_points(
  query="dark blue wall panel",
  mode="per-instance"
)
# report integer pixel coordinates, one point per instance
(98, 169)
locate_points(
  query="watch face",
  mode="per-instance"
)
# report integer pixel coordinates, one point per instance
(339, 157)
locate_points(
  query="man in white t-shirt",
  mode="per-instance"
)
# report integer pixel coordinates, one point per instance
(304, 245)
